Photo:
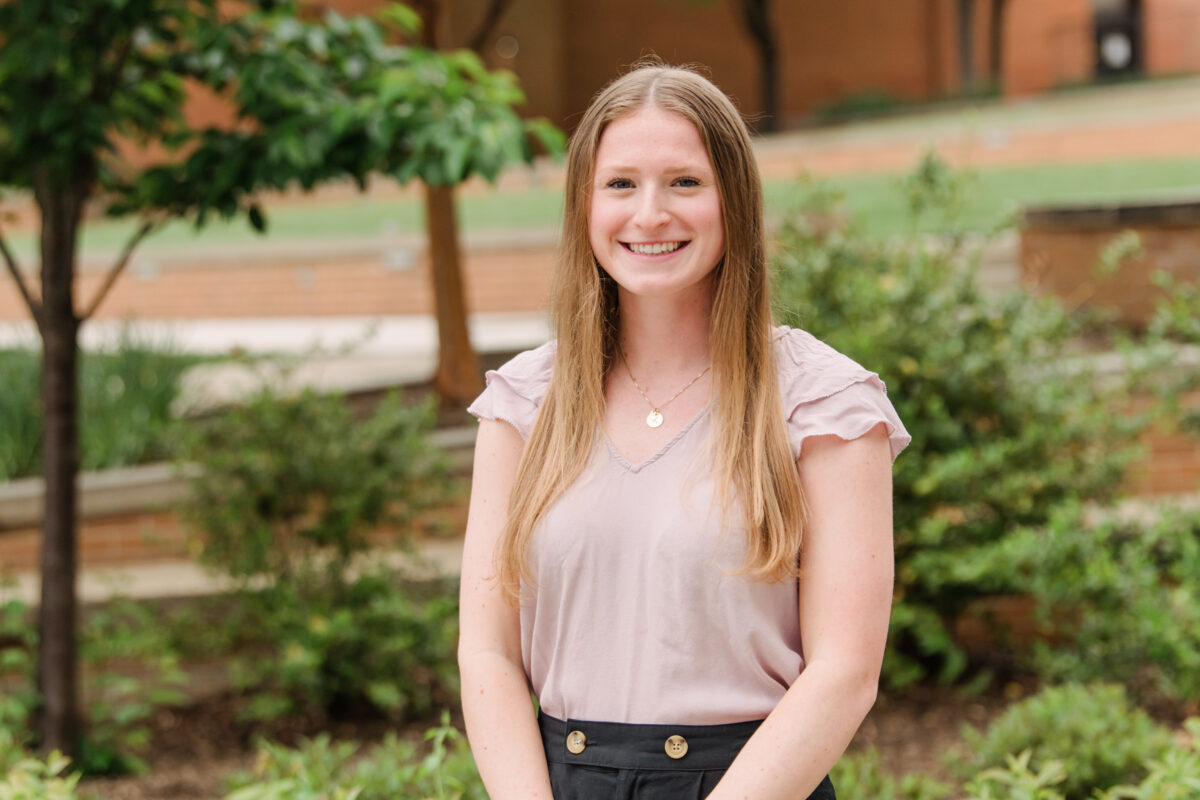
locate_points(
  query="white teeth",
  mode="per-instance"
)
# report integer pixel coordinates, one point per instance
(656, 248)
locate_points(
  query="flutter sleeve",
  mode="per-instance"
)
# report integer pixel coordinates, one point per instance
(514, 392)
(825, 392)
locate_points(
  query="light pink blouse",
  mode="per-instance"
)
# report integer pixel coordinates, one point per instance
(633, 615)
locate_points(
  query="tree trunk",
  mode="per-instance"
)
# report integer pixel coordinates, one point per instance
(757, 16)
(457, 378)
(966, 45)
(57, 671)
(996, 43)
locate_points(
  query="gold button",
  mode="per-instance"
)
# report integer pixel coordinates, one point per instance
(676, 746)
(576, 741)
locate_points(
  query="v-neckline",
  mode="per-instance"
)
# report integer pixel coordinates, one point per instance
(662, 451)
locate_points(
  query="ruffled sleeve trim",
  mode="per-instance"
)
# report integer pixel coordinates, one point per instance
(825, 392)
(515, 392)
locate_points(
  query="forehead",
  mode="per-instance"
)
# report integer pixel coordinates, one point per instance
(651, 136)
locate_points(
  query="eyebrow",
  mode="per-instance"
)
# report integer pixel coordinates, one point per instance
(668, 170)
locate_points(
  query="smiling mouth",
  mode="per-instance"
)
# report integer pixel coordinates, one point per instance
(653, 248)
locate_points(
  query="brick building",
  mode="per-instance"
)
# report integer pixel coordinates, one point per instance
(906, 50)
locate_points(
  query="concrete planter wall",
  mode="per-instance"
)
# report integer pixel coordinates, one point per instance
(127, 516)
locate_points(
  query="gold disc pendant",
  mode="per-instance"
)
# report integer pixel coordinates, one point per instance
(654, 418)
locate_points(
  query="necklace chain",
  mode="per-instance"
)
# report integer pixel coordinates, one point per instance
(655, 417)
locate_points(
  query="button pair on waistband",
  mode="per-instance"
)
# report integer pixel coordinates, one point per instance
(676, 746)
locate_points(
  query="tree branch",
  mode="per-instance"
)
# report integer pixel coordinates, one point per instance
(495, 11)
(35, 307)
(118, 268)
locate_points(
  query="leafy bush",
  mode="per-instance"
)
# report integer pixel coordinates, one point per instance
(1018, 781)
(290, 490)
(32, 779)
(368, 648)
(1176, 318)
(1007, 424)
(130, 669)
(18, 643)
(321, 770)
(20, 413)
(133, 671)
(1121, 596)
(1091, 731)
(1175, 776)
(860, 775)
(125, 415)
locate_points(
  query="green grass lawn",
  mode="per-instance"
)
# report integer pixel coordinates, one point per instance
(993, 196)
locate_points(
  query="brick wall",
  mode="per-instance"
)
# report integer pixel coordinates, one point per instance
(1173, 464)
(122, 539)
(568, 49)
(1047, 44)
(157, 536)
(1171, 31)
(320, 280)
(1060, 248)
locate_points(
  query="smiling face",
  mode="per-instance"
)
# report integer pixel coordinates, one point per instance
(654, 217)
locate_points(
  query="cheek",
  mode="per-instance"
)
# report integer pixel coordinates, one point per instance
(600, 226)
(716, 222)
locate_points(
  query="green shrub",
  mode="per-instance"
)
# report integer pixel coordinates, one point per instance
(133, 670)
(130, 669)
(368, 648)
(860, 776)
(18, 644)
(1176, 319)
(1006, 423)
(125, 406)
(32, 779)
(1090, 731)
(291, 488)
(290, 491)
(322, 770)
(1175, 776)
(1121, 596)
(20, 413)
(1018, 781)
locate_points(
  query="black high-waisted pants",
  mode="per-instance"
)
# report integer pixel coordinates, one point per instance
(617, 761)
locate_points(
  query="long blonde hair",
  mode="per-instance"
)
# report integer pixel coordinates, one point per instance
(750, 446)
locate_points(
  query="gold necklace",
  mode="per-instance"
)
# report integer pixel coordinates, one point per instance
(655, 418)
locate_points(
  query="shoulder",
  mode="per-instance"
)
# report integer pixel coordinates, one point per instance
(515, 391)
(808, 369)
(826, 392)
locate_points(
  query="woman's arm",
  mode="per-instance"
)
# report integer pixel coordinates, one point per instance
(501, 725)
(845, 603)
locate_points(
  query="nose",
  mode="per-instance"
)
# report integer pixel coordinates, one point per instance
(652, 211)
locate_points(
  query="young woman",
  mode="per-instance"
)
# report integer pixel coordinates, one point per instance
(680, 532)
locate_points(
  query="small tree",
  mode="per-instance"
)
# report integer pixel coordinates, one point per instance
(312, 102)
(457, 377)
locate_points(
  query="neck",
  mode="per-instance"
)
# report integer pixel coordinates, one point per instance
(665, 335)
